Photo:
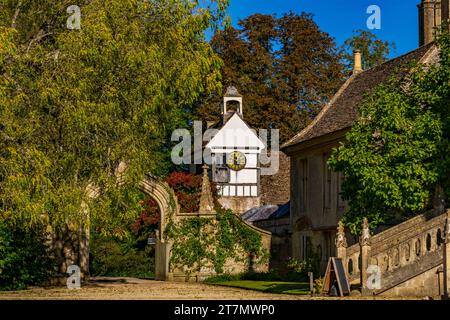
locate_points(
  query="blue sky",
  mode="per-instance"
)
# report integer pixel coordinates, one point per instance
(399, 18)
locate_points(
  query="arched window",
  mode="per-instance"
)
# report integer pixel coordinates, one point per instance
(350, 266)
(439, 239)
(418, 248)
(428, 242)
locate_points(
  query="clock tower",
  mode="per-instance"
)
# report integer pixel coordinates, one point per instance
(235, 152)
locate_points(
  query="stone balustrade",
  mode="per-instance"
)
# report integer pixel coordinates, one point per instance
(401, 252)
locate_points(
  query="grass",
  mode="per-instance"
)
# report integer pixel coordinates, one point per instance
(300, 288)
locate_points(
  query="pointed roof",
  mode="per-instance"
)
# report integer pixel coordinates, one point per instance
(232, 92)
(340, 113)
(236, 133)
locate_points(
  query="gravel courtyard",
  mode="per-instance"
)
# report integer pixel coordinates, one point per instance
(130, 288)
(136, 289)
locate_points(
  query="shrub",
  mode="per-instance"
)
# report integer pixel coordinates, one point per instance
(187, 188)
(24, 259)
(318, 285)
(111, 257)
(223, 278)
(300, 266)
(259, 276)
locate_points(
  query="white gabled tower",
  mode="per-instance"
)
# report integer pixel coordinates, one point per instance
(235, 151)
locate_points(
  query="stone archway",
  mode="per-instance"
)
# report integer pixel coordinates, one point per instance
(165, 198)
(168, 206)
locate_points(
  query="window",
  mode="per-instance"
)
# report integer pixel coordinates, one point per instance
(306, 247)
(303, 184)
(328, 244)
(326, 183)
(340, 201)
(221, 175)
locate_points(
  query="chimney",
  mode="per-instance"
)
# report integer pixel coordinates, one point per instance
(437, 13)
(427, 21)
(357, 68)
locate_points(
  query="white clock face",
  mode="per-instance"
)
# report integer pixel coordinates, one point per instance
(236, 161)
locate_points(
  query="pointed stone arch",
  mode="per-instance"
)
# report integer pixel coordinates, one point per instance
(165, 197)
(168, 206)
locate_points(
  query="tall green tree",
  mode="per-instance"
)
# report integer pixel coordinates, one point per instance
(374, 51)
(397, 154)
(75, 103)
(286, 68)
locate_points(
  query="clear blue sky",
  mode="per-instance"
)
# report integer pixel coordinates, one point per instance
(399, 18)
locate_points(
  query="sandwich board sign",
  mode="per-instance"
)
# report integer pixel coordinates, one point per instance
(336, 278)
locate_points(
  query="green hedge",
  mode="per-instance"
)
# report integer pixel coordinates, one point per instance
(24, 259)
(114, 258)
(290, 276)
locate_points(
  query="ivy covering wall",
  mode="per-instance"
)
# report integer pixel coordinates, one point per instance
(200, 242)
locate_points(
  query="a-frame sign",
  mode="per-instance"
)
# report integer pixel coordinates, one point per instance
(336, 276)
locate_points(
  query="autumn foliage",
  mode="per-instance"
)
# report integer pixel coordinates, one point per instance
(187, 188)
(286, 68)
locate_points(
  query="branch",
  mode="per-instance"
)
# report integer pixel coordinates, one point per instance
(16, 14)
(38, 37)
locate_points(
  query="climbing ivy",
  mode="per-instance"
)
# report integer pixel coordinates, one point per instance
(191, 243)
(202, 241)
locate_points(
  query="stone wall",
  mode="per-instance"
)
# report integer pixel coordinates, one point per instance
(242, 263)
(281, 246)
(239, 205)
(68, 246)
(429, 283)
(275, 189)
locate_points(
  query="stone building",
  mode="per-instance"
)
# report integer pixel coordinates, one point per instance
(316, 205)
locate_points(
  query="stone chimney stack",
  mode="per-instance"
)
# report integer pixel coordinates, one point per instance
(432, 13)
(437, 12)
(426, 21)
(357, 68)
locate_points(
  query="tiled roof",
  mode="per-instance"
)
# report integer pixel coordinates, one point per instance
(267, 212)
(342, 110)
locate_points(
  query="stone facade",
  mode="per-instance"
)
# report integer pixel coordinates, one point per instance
(275, 189)
(240, 204)
(316, 206)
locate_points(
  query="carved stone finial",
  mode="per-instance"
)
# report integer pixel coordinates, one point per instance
(447, 228)
(365, 234)
(341, 240)
(206, 198)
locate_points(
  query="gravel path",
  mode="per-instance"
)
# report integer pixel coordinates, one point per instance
(130, 288)
(103, 288)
